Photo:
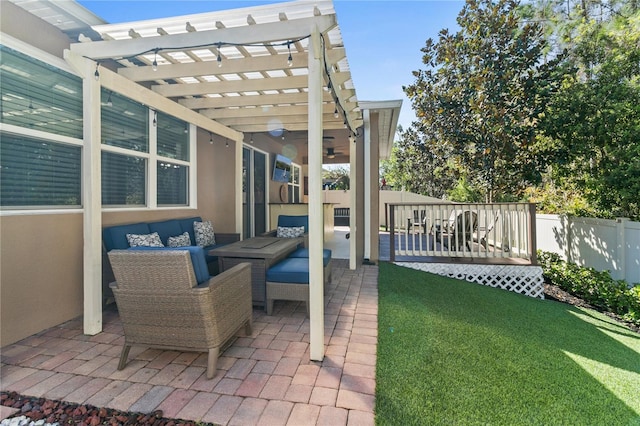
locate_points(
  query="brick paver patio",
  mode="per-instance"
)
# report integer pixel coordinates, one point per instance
(266, 378)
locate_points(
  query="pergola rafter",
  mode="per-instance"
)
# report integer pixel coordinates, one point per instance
(254, 76)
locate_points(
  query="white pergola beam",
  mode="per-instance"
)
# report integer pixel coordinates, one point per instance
(259, 33)
(235, 86)
(286, 120)
(256, 128)
(230, 66)
(138, 93)
(277, 111)
(250, 100)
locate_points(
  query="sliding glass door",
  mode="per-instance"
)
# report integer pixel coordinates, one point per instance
(254, 192)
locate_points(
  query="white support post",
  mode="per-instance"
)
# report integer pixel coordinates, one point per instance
(91, 200)
(238, 185)
(353, 200)
(367, 183)
(316, 227)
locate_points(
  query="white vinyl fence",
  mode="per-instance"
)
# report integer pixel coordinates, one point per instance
(612, 245)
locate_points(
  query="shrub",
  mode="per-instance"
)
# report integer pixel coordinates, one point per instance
(595, 287)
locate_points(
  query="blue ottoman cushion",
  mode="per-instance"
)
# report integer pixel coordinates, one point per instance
(290, 270)
(304, 253)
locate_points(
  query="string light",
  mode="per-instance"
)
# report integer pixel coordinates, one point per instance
(211, 138)
(186, 128)
(154, 65)
(251, 139)
(226, 144)
(109, 102)
(328, 71)
(155, 118)
(219, 58)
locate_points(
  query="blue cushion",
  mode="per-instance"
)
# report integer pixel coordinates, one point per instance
(197, 259)
(115, 237)
(304, 253)
(166, 229)
(290, 270)
(285, 220)
(186, 225)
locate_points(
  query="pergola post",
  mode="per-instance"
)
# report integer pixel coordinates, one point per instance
(91, 200)
(316, 227)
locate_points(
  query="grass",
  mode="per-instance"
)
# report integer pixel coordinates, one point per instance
(457, 353)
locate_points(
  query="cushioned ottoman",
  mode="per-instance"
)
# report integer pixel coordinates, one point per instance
(326, 261)
(288, 280)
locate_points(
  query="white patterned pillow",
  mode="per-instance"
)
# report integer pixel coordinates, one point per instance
(203, 232)
(144, 240)
(179, 240)
(290, 231)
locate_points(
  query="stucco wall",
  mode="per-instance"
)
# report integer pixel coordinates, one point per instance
(41, 255)
(40, 272)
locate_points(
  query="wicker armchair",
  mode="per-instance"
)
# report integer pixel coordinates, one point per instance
(162, 306)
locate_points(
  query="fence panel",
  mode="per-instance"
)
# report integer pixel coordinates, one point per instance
(603, 244)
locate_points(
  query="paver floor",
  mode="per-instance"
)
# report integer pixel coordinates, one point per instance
(266, 378)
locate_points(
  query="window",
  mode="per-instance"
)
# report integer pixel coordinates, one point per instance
(40, 143)
(294, 184)
(36, 172)
(136, 141)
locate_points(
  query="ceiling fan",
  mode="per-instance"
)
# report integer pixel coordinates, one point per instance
(331, 153)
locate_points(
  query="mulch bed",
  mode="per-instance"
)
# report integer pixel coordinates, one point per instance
(67, 413)
(554, 292)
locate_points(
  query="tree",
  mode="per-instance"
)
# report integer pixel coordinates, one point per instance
(339, 177)
(418, 166)
(481, 96)
(594, 121)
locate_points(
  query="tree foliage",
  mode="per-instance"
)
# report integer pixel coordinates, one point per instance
(594, 121)
(418, 166)
(481, 95)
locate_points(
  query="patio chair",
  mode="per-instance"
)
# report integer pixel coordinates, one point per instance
(419, 221)
(162, 306)
(459, 233)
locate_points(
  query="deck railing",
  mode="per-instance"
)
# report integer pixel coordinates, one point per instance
(461, 230)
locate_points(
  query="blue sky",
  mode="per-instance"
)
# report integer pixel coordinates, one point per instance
(383, 38)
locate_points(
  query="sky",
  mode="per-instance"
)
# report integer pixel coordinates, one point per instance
(382, 38)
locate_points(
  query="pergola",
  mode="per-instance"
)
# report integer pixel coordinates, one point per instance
(272, 68)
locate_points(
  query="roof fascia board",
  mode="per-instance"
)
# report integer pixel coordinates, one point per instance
(259, 33)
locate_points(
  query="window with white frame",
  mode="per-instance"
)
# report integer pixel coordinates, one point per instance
(294, 184)
(135, 140)
(41, 134)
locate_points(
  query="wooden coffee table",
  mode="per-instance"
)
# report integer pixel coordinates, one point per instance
(261, 253)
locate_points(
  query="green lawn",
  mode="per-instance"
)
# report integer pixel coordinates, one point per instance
(452, 352)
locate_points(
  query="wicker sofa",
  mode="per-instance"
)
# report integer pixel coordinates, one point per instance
(162, 305)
